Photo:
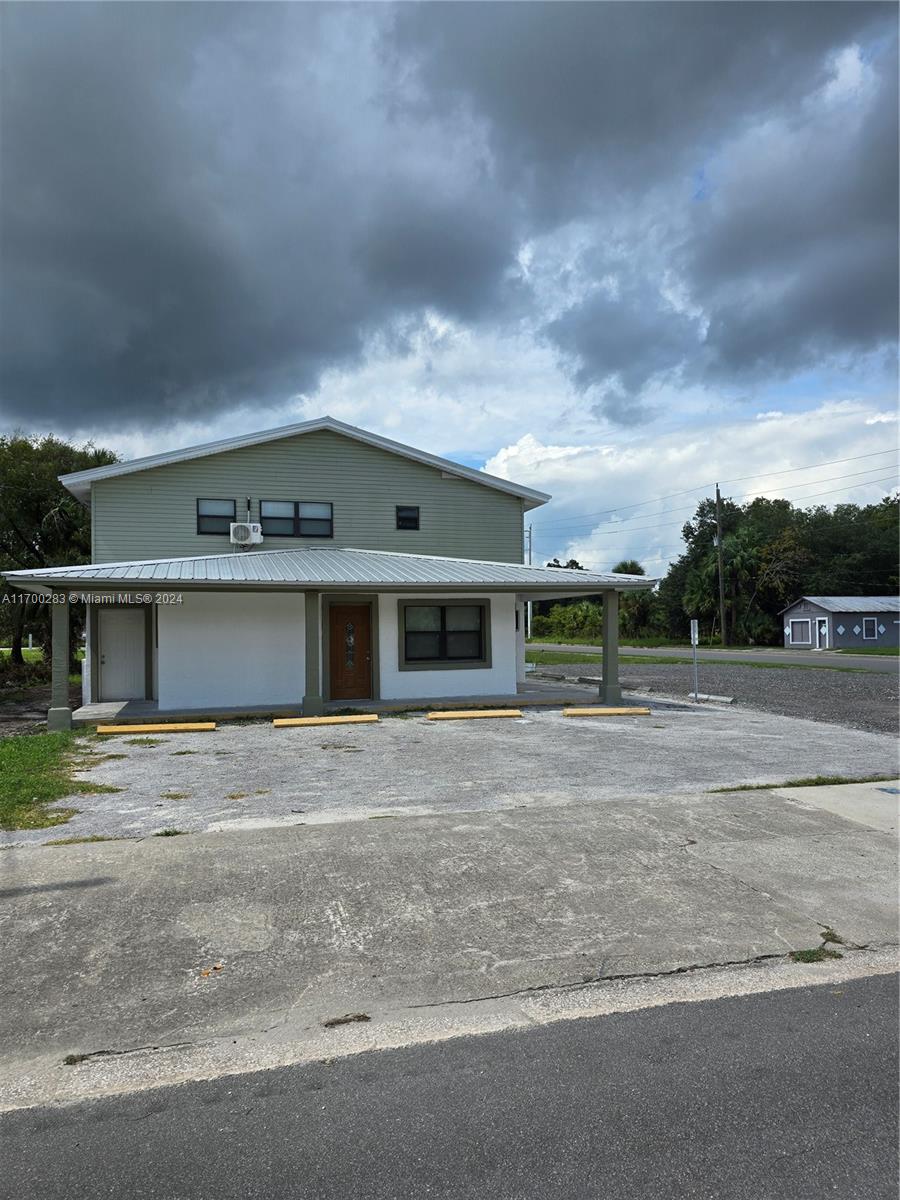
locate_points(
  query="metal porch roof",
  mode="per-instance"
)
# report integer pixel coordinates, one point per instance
(327, 568)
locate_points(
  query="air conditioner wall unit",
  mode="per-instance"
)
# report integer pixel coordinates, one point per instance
(246, 533)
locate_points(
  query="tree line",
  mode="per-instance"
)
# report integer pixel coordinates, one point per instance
(772, 553)
(41, 525)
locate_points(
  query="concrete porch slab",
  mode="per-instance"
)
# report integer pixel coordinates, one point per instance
(136, 711)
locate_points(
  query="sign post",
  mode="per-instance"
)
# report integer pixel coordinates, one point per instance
(695, 638)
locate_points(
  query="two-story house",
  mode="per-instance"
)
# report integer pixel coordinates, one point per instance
(313, 564)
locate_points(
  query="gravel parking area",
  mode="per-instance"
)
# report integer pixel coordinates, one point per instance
(859, 700)
(251, 775)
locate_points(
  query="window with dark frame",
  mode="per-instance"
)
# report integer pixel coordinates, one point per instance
(443, 633)
(407, 516)
(296, 518)
(215, 516)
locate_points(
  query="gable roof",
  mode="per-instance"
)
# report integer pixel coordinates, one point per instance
(79, 482)
(315, 568)
(851, 604)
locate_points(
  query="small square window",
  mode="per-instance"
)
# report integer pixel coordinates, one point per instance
(215, 516)
(407, 516)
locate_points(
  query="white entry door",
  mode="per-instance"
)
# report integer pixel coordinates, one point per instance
(122, 663)
(822, 633)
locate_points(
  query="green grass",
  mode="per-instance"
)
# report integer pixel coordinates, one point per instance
(145, 741)
(829, 935)
(175, 795)
(649, 643)
(91, 837)
(31, 656)
(561, 657)
(35, 772)
(812, 781)
(889, 651)
(170, 833)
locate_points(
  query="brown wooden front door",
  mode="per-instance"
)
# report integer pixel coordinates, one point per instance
(350, 651)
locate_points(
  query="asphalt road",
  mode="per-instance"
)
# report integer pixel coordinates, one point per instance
(806, 658)
(788, 1094)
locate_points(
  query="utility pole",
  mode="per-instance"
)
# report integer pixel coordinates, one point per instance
(530, 536)
(721, 566)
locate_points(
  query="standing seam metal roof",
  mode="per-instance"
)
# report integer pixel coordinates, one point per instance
(851, 604)
(323, 567)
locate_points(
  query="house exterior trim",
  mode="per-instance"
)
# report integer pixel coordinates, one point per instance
(79, 482)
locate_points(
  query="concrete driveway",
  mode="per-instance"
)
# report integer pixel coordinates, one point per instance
(175, 958)
(249, 776)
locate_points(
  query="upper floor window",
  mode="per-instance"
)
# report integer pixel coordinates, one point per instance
(296, 518)
(215, 516)
(407, 516)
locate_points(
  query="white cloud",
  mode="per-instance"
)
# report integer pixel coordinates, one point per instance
(613, 502)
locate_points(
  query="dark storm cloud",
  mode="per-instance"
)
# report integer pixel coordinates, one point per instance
(799, 260)
(619, 95)
(630, 334)
(205, 204)
(199, 208)
(593, 108)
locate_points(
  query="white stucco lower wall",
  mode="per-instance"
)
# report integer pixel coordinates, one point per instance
(229, 649)
(498, 679)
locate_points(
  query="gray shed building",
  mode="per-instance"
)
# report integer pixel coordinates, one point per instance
(842, 622)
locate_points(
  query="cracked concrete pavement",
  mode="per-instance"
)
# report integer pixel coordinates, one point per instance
(248, 775)
(111, 947)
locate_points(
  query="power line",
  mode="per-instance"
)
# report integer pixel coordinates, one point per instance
(746, 496)
(700, 486)
(664, 555)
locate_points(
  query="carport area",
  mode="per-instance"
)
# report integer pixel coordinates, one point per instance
(250, 775)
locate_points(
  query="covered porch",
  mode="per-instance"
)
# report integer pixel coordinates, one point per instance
(247, 635)
(534, 694)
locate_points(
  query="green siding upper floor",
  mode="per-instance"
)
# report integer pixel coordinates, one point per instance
(153, 514)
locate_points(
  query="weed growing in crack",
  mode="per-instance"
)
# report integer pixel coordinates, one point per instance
(817, 954)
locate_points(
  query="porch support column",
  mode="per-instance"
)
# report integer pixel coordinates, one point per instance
(313, 705)
(610, 691)
(59, 715)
